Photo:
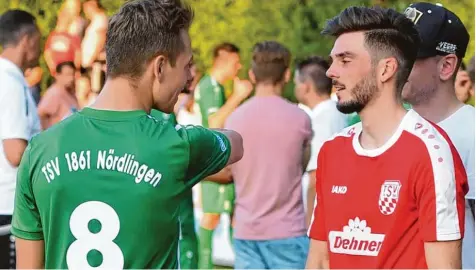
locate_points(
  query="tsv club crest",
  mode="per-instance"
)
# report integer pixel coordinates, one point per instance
(388, 198)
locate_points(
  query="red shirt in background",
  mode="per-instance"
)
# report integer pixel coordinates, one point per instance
(63, 47)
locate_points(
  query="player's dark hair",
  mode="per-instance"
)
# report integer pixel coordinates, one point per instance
(270, 61)
(143, 29)
(470, 70)
(225, 46)
(388, 33)
(314, 68)
(14, 24)
(60, 66)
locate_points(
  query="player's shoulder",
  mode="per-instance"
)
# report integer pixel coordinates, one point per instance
(427, 138)
(342, 138)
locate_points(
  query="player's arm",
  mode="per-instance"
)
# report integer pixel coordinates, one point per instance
(46, 108)
(26, 222)
(241, 90)
(440, 187)
(209, 151)
(443, 255)
(30, 254)
(13, 121)
(318, 255)
(221, 177)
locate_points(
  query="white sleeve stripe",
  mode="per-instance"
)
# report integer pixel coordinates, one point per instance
(447, 221)
(312, 218)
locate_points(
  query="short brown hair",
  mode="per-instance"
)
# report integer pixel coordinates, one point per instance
(314, 68)
(143, 29)
(387, 33)
(270, 61)
(227, 47)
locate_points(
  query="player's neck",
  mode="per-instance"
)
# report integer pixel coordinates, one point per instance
(14, 56)
(218, 75)
(440, 106)
(268, 89)
(118, 95)
(380, 120)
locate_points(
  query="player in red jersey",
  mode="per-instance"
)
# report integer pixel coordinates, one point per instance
(390, 190)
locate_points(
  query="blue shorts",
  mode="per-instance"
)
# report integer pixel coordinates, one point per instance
(288, 253)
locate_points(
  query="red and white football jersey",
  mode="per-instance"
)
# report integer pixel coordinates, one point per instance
(376, 208)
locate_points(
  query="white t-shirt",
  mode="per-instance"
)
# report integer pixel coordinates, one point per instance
(326, 121)
(185, 117)
(460, 128)
(18, 120)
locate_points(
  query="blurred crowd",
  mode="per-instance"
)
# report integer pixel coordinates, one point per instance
(75, 56)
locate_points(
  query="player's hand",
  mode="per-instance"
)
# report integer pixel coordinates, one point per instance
(242, 88)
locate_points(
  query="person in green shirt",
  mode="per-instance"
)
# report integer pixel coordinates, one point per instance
(188, 242)
(214, 109)
(103, 188)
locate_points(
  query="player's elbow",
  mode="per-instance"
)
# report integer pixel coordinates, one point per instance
(236, 142)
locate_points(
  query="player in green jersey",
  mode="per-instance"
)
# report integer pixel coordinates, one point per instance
(210, 98)
(103, 187)
(188, 242)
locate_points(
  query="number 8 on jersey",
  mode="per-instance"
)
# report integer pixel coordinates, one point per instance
(86, 241)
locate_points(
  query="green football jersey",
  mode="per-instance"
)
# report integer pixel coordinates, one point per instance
(103, 188)
(168, 117)
(209, 96)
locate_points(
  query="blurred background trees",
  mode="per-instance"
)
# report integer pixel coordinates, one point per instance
(295, 23)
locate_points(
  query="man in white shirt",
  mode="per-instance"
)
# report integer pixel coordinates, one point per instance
(20, 39)
(313, 90)
(430, 90)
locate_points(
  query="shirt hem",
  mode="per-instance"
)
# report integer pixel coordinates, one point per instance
(27, 235)
(448, 236)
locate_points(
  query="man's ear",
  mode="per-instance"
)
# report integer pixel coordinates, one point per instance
(159, 66)
(287, 75)
(447, 67)
(252, 76)
(387, 69)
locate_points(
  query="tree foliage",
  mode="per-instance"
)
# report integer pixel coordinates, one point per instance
(295, 23)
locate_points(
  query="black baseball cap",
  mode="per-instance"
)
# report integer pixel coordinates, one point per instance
(441, 31)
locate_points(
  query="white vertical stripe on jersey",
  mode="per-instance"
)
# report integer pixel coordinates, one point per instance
(447, 221)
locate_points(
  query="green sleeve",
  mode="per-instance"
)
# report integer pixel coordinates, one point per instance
(26, 222)
(161, 116)
(209, 152)
(209, 98)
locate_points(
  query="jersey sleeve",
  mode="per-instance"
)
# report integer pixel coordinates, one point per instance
(13, 110)
(26, 222)
(440, 187)
(317, 230)
(209, 100)
(209, 152)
